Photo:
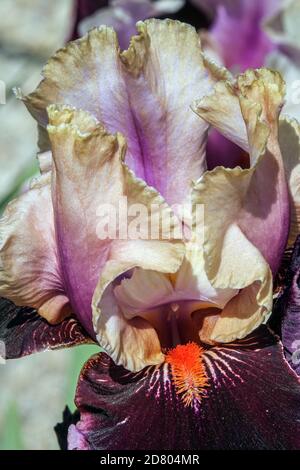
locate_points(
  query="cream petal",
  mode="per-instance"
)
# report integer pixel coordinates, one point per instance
(259, 95)
(128, 339)
(29, 267)
(143, 290)
(289, 67)
(246, 210)
(192, 282)
(244, 313)
(289, 140)
(45, 161)
(132, 343)
(144, 92)
(88, 174)
(221, 109)
(177, 306)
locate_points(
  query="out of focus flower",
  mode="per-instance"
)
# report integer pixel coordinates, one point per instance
(237, 36)
(122, 15)
(267, 36)
(283, 29)
(178, 316)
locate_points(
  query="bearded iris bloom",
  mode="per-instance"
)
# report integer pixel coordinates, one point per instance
(181, 322)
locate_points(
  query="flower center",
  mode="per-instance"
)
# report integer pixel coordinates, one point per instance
(188, 372)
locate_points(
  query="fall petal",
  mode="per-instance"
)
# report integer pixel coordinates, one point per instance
(30, 273)
(286, 310)
(246, 380)
(143, 92)
(23, 331)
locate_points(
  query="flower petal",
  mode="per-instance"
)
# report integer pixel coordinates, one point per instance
(132, 342)
(290, 70)
(24, 332)
(30, 274)
(252, 44)
(247, 380)
(289, 140)
(122, 15)
(222, 110)
(283, 27)
(89, 174)
(83, 9)
(252, 206)
(286, 310)
(144, 92)
(249, 117)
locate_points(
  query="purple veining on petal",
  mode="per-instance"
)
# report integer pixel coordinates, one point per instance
(24, 332)
(148, 99)
(247, 380)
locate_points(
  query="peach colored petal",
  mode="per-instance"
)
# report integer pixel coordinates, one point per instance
(289, 139)
(246, 210)
(88, 172)
(252, 105)
(29, 266)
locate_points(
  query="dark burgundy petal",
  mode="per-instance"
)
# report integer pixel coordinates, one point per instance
(252, 402)
(61, 429)
(287, 310)
(24, 332)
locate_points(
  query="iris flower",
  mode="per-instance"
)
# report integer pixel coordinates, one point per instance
(188, 361)
(122, 15)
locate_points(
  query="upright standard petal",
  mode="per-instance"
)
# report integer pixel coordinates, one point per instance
(246, 381)
(145, 93)
(289, 140)
(51, 253)
(89, 175)
(253, 228)
(249, 117)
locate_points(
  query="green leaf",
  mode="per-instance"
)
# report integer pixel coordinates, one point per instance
(11, 435)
